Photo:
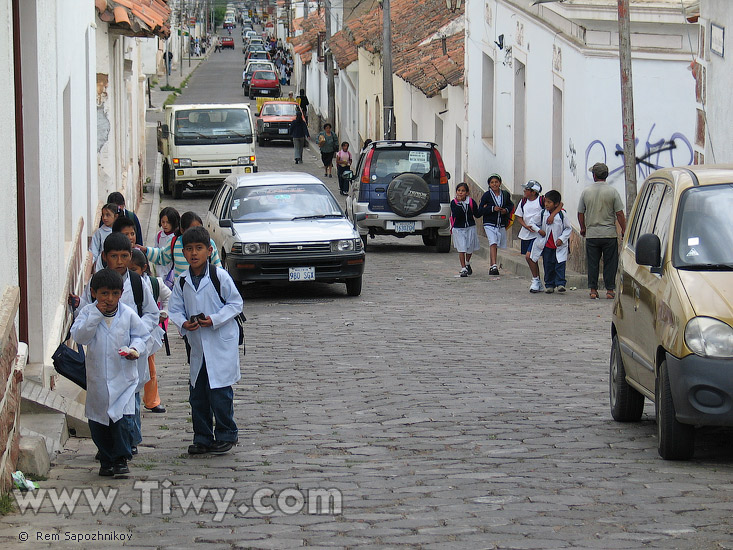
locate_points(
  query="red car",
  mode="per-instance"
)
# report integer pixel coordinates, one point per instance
(264, 83)
(275, 120)
(227, 42)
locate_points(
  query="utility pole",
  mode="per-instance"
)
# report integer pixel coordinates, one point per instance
(627, 102)
(387, 92)
(180, 35)
(331, 84)
(305, 9)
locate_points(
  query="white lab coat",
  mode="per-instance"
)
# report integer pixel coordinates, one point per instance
(218, 343)
(150, 319)
(111, 379)
(100, 235)
(560, 230)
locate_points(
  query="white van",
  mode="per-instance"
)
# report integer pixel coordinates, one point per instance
(204, 144)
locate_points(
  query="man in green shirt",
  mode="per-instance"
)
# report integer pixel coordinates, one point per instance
(599, 209)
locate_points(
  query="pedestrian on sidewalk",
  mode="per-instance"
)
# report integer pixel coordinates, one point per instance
(110, 212)
(117, 198)
(304, 104)
(169, 59)
(599, 208)
(300, 132)
(104, 327)
(495, 207)
(552, 243)
(204, 305)
(343, 163)
(328, 142)
(463, 227)
(169, 221)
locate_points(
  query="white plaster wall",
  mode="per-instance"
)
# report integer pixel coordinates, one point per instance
(347, 106)
(8, 165)
(719, 140)
(370, 88)
(663, 94)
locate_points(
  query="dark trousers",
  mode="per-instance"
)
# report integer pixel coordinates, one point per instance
(137, 425)
(208, 404)
(113, 441)
(554, 270)
(594, 249)
(343, 184)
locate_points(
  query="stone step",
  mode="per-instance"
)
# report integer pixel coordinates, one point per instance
(67, 399)
(52, 427)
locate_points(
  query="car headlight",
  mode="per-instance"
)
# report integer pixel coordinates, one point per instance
(708, 337)
(246, 160)
(255, 248)
(344, 245)
(266, 125)
(182, 163)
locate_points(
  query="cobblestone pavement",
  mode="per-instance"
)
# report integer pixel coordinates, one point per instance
(449, 413)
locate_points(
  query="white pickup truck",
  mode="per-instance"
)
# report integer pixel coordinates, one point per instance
(203, 144)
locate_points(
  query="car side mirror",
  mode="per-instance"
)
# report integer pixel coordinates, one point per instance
(225, 223)
(360, 216)
(447, 175)
(164, 131)
(347, 175)
(248, 138)
(649, 251)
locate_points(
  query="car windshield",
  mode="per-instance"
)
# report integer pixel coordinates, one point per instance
(279, 109)
(389, 163)
(264, 75)
(212, 126)
(703, 228)
(271, 203)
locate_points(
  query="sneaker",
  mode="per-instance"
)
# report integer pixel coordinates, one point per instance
(549, 290)
(221, 447)
(106, 471)
(536, 286)
(157, 409)
(493, 270)
(468, 268)
(120, 469)
(133, 450)
(198, 449)
(561, 288)
(463, 272)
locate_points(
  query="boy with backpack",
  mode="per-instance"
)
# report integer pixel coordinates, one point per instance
(552, 243)
(205, 305)
(109, 328)
(117, 198)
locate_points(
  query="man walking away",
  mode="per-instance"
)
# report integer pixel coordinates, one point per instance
(599, 209)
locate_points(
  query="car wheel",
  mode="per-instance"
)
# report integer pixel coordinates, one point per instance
(429, 240)
(353, 286)
(675, 441)
(177, 190)
(364, 239)
(442, 243)
(166, 180)
(260, 141)
(627, 404)
(408, 195)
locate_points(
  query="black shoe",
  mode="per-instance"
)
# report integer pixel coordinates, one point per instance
(493, 270)
(106, 471)
(221, 447)
(120, 469)
(198, 449)
(133, 450)
(157, 409)
(468, 269)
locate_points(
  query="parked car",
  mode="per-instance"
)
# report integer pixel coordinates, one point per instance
(672, 324)
(275, 120)
(264, 82)
(284, 226)
(257, 54)
(227, 42)
(252, 66)
(255, 44)
(402, 187)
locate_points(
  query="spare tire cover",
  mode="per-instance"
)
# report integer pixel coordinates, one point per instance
(408, 195)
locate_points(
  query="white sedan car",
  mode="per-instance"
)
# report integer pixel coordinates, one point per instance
(284, 226)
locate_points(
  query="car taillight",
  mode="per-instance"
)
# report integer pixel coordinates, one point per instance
(441, 167)
(367, 167)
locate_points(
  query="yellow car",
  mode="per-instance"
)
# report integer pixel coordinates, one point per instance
(672, 324)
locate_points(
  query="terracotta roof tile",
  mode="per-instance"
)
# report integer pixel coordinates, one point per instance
(305, 43)
(143, 18)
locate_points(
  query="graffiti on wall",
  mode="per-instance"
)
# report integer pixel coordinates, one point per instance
(655, 153)
(572, 163)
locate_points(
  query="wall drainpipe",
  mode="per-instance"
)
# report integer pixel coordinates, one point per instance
(20, 171)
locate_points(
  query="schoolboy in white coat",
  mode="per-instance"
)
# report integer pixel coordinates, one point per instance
(553, 259)
(104, 327)
(214, 341)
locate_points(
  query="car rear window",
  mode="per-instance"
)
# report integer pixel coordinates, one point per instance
(264, 75)
(388, 163)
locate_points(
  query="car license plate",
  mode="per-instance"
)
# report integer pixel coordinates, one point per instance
(302, 274)
(283, 130)
(265, 91)
(404, 227)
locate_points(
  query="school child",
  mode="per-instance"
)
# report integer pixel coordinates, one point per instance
(496, 207)
(205, 315)
(169, 221)
(463, 227)
(552, 243)
(109, 215)
(161, 294)
(121, 225)
(117, 198)
(138, 296)
(173, 251)
(343, 163)
(105, 327)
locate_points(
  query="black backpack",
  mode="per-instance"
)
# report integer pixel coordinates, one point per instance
(240, 318)
(136, 283)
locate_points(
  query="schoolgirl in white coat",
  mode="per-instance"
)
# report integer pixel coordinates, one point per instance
(111, 379)
(218, 343)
